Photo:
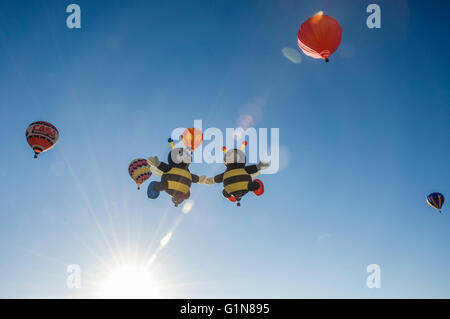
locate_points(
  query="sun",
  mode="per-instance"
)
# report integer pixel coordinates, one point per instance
(129, 281)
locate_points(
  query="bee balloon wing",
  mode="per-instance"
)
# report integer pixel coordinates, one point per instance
(254, 175)
(156, 171)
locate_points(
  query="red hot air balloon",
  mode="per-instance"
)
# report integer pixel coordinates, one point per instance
(41, 136)
(319, 36)
(192, 138)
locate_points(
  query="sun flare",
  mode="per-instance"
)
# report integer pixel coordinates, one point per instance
(129, 281)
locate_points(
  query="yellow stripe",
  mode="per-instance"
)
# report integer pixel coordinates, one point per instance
(235, 172)
(179, 171)
(239, 186)
(434, 203)
(440, 204)
(141, 170)
(176, 186)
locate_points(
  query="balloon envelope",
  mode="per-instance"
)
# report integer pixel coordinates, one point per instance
(139, 171)
(41, 136)
(319, 36)
(192, 138)
(436, 200)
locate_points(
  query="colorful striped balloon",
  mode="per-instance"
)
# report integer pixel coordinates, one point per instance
(41, 136)
(436, 200)
(139, 171)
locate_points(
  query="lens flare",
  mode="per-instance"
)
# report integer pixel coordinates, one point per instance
(187, 207)
(165, 240)
(317, 17)
(292, 55)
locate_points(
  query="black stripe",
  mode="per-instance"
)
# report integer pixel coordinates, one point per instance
(40, 136)
(143, 175)
(178, 178)
(236, 179)
(137, 167)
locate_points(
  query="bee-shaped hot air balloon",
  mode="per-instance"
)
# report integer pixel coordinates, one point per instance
(41, 136)
(176, 179)
(436, 200)
(139, 171)
(237, 178)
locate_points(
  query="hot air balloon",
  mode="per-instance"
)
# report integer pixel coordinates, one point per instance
(176, 179)
(436, 200)
(238, 179)
(41, 136)
(139, 171)
(192, 138)
(319, 36)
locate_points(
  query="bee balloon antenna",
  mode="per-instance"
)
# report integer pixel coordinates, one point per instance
(170, 140)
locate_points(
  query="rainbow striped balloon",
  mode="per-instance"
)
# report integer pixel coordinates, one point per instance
(139, 171)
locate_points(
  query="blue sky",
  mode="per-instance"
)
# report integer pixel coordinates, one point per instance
(365, 139)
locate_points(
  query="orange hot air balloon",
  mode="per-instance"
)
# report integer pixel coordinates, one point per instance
(192, 138)
(319, 36)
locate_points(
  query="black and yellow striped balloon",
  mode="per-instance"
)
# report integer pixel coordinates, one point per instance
(436, 200)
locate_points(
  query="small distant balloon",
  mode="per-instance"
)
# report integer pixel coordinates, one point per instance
(139, 171)
(192, 138)
(292, 55)
(436, 200)
(319, 36)
(41, 136)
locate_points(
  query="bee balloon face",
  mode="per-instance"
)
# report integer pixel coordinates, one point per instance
(180, 157)
(234, 156)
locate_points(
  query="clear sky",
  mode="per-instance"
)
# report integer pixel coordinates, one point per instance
(364, 139)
